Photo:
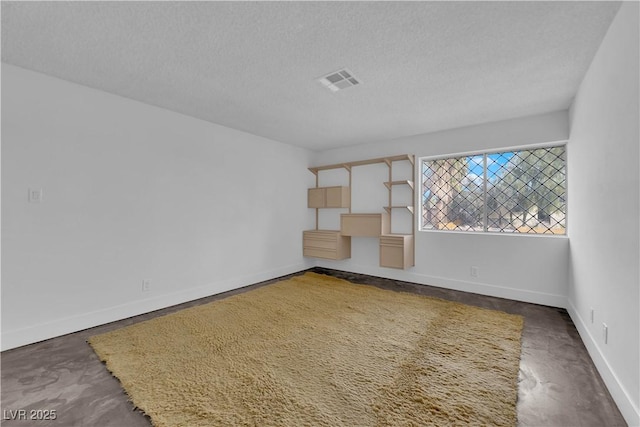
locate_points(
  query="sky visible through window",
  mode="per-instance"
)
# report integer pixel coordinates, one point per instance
(496, 163)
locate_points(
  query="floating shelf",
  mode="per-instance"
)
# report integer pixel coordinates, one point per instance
(349, 165)
(403, 182)
(388, 208)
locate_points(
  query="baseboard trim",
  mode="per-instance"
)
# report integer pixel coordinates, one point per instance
(67, 325)
(552, 300)
(627, 406)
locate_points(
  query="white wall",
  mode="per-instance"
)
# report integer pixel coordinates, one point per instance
(133, 192)
(603, 204)
(526, 268)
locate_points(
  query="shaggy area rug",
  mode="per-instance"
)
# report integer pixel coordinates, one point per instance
(315, 350)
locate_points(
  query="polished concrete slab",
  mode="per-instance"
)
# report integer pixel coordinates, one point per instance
(559, 385)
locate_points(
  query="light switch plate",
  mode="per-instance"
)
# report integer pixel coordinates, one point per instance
(35, 195)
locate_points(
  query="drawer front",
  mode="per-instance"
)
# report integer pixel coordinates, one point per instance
(319, 253)
(320, 243)
(392, 241)
(321, 234)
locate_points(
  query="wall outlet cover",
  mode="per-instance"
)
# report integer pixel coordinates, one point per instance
(474, 271)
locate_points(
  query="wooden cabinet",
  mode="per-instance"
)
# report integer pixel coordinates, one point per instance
(364, 225)
(329, 197)
(316, 197)
(329, 244)
(396, 251)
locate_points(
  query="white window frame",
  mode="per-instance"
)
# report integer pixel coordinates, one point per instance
(488, 151)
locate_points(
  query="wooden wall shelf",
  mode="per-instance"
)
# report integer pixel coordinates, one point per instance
(409, 208)
(403, 182)
(349, 165)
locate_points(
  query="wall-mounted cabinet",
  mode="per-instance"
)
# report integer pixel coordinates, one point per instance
(364, 225)
(396, 250)
(329, 197)
(328, 244)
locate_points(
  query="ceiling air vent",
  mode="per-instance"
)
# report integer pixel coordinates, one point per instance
(338, 80)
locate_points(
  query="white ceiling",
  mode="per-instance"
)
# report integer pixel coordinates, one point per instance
(424, 66)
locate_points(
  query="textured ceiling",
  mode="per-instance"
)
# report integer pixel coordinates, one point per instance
(424, 66)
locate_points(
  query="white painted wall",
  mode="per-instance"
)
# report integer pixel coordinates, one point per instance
(133, 192)
(603, 160)
(526, 268)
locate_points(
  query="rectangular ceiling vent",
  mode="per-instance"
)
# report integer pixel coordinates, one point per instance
(338, 80)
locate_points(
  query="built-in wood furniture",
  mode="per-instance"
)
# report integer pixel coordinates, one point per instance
(396, 250)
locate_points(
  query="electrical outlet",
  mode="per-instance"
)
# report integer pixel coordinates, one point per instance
(605, 332)
(474, 271)
(146, 285)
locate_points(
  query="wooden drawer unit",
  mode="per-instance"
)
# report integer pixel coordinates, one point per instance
(329, 244)
(396, 250)
(364, 225)
(329, 197)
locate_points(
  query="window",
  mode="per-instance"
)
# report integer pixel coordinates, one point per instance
(509, 192)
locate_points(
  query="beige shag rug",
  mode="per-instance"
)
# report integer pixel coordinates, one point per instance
(315, 350)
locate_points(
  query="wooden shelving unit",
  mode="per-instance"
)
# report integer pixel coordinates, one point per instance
(349, 165)
(396, 250)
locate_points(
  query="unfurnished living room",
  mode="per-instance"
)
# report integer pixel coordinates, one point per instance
(320, 213)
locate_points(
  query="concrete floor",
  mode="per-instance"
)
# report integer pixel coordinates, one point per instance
(559, 385)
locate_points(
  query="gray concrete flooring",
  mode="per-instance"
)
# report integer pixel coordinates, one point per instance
(559, 385)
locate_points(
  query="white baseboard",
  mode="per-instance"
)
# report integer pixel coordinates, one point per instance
(627, 406)
(66, 325)
(553, 300)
